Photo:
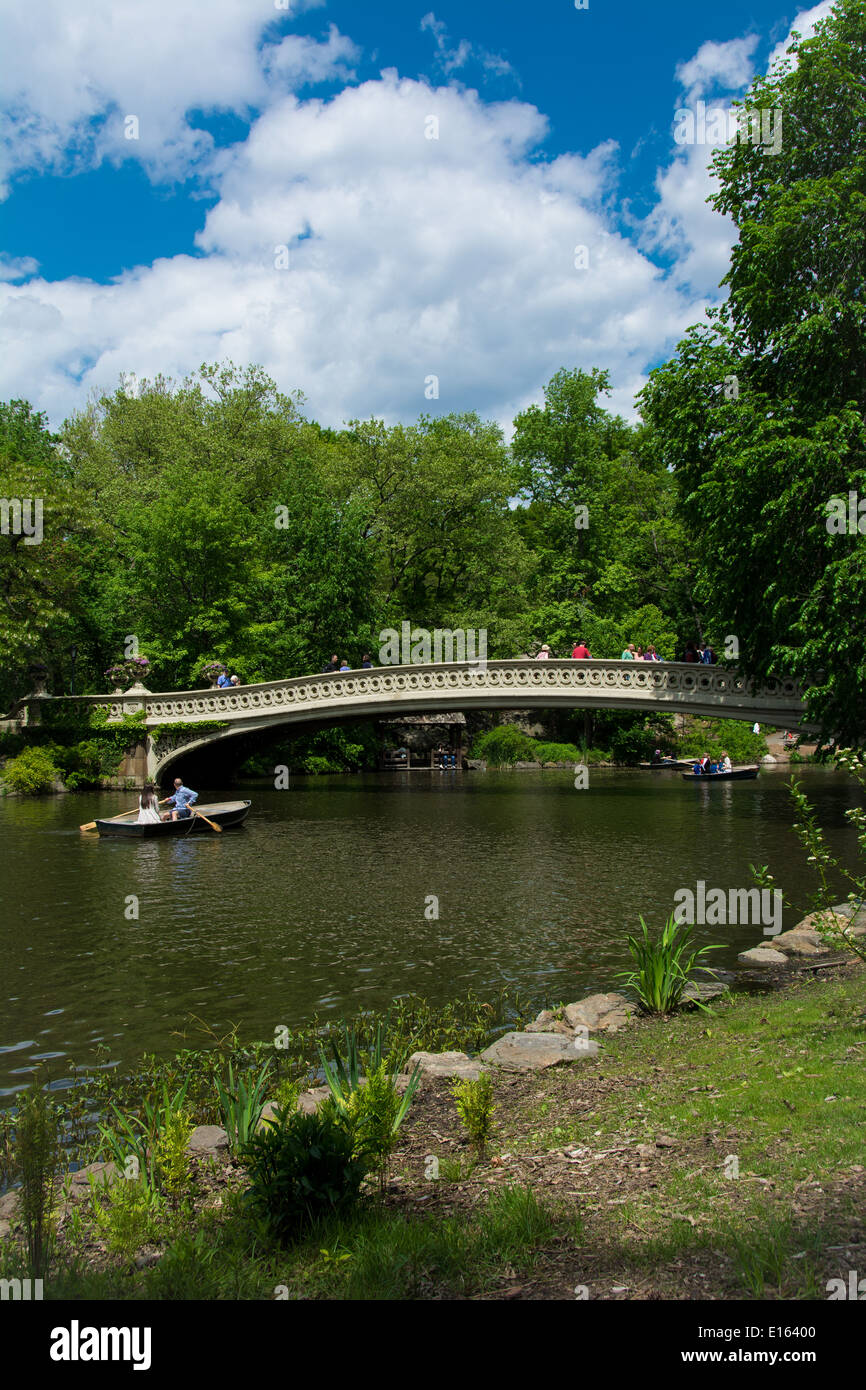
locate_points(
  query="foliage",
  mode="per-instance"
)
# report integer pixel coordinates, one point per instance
(126, 1215)
(241, 1102)
(718, 736)
(664, 965)
(506, 745)
(32, 773)
(137, 1136)
(38, 1161)
(301, 1168)
(757, 451)
(826, 865)
(474, 1101)
(171, 1160)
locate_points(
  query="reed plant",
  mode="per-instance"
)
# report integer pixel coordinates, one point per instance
(241, 1102)
(664, 966)
(38, 1161)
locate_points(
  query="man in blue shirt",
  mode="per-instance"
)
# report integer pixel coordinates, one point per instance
(182, 800)
(224, 680)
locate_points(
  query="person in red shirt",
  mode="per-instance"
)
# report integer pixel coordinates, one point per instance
(582, 652)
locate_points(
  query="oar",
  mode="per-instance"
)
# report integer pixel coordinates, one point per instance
(212, 823)
(91, 825)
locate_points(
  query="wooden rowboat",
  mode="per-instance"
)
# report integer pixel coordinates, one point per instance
(223, 813)
(736, 774)
(669, 765)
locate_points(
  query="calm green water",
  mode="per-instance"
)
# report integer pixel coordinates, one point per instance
(318, 903)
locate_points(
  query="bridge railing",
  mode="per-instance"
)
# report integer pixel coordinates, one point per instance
(502, 683)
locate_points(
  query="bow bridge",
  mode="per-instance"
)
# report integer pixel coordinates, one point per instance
(389, 691)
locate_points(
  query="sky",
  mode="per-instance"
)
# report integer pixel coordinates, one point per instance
(394, 209)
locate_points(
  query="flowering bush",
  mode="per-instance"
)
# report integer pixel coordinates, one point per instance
(212, 669)
(127, 672)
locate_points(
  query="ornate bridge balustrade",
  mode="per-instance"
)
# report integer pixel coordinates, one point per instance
(666, 687)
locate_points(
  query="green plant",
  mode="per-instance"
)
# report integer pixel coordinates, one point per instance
(474, 1101)
(135, 1137)
(171, 1159)
(241, 1103)
(38, 1162)
(664, 967)
(301, 1168)
(375, 1112)
(32, 773)
(126, 1215)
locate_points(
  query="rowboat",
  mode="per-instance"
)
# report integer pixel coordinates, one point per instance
(223, 813)
(668, 765)
(736, 774)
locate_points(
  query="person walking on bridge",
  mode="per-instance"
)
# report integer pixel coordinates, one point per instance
(582, 652)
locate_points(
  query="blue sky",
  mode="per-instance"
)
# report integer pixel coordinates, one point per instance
(409, 259)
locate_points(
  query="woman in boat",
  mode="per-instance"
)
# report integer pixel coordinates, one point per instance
(148, 806)
(726, 763)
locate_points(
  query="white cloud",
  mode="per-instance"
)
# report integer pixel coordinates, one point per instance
(17, 267)
(804, 24)
(718, 67)
(409, 257)
(451, 59)
(83, 68)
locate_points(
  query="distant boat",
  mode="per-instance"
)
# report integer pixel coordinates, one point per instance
(736, 774)
(223, 813)
(668, 765)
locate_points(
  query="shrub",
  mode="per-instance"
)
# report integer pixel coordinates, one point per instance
(375, 1112)
(474, 1101)
(717, 736)
(127, 1217)
(171, 1160)
(503, 746)
(301, 1168)
(32, 773)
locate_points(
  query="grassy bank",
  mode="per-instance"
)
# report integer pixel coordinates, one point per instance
(711, 1155)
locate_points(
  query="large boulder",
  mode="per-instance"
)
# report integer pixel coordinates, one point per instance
(600, 1013)
(843, 917)
(548, 1022)
(763, 957)
(457, 1064)
(797, 942)
(208, 1139)
(535, 1051)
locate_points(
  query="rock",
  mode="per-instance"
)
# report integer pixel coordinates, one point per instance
(664, 1141)
(5, 1229)
(208, 1139)
(646, 1150)
(457, 1064)
(534, 1051)
(699, 991)
(9, 1204)
(763, 956)
(833, 917)
(547, 1022)
(600, 1013)
(309, 1101)
(800, 943)
(527, 767)
(768, 758)
(106, 1173)
(476, 764)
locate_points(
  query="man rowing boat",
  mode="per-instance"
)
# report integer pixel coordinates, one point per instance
(182, 801)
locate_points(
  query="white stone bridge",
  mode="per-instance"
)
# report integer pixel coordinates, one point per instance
(390, 691)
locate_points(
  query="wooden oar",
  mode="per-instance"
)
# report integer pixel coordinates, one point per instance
(91, 825)
(212, 823)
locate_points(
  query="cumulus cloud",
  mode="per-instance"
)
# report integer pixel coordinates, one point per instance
(83, 70)
(17, 267)
(408, 258)
(804, 24)
(725, 67)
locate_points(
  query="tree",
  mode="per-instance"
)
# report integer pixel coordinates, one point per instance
(761, 412)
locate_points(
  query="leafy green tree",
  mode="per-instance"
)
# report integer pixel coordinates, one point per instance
(761, 412)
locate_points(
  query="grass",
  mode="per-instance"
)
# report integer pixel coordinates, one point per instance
(761, 1107)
